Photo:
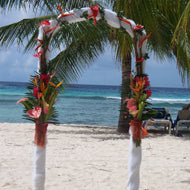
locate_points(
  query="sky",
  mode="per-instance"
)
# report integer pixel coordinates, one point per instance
(17, 66)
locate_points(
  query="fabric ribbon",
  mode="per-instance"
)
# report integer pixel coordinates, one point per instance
(138, 132)
(40, 134)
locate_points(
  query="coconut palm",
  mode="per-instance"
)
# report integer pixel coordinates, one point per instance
(168, 22)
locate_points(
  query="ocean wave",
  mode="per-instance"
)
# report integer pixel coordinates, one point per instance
(91, 97)
(8, 94)
(113, 97)
(169, 100)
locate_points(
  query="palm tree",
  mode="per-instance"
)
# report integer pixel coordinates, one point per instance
(168, 22)
(122, 44)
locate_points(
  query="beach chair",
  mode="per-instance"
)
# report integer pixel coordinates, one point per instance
(183, 119)
(162, 118)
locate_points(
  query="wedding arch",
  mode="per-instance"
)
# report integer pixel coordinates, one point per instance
(39, 105)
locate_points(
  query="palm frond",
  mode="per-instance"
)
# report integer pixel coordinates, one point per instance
(45, 5)
(181, 38)
(121, 43)
(83, 44)
(20, 31)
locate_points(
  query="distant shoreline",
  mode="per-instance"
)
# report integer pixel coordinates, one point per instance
(14, 83)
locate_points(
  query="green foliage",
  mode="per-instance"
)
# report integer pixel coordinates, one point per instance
(84, 43)
(169, 23)
(85, 14)
(120, 14)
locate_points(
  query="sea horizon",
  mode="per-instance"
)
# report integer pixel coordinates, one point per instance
(26, 83)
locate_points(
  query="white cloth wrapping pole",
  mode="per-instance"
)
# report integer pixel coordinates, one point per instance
(134, 162)
(39, 168)
(113, 20)
(39, 152)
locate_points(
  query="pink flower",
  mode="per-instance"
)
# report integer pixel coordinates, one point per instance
(148, 93)
(21, 100)
(45, 78)
(35, 113)
(138, 27)
(131, 104)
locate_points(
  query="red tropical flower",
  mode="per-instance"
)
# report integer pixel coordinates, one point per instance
(62, 13)
(51, 29)
(39, 40)
(45, 78)
(138, 27)
(146, 82)
(136, 79)
(148, 93)
(35, 92)
(38, 54)
(95, 10)
(143, 39)
(45, 22)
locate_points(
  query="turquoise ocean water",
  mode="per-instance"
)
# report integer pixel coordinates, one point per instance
(87, 104)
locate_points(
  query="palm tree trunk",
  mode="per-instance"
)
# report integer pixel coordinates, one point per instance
(123, 125)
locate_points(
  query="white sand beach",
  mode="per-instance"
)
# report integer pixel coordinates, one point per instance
(81, 157)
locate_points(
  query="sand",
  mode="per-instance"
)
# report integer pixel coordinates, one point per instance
(81, 157)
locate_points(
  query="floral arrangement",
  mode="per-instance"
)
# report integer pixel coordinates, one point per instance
(137, 106)
(43, 89)
(39, 104)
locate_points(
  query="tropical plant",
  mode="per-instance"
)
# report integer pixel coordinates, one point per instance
(169, 23)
